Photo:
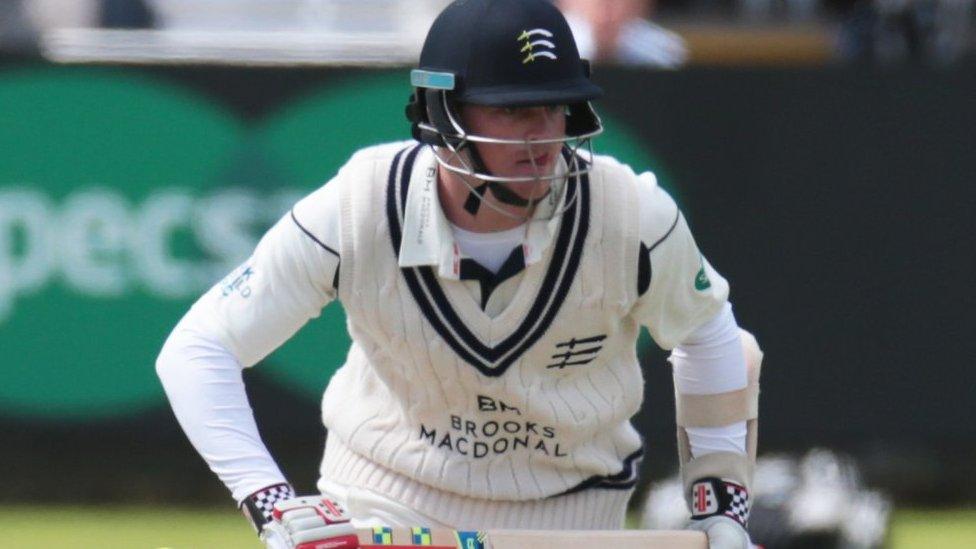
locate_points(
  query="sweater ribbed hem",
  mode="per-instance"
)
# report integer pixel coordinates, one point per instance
(593, 509)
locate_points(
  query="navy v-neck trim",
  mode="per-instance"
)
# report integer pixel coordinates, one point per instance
(433, 302)
(472, 270)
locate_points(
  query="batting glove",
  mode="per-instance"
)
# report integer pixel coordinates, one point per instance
(284, 521)
(311, 522)
(720, 508)
(723, 533)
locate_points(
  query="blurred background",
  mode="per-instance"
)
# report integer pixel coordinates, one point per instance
(824, 152)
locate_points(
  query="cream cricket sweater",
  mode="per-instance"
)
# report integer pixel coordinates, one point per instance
(460, 413)
(482, 403)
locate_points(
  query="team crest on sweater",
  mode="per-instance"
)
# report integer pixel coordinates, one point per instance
(577, 352)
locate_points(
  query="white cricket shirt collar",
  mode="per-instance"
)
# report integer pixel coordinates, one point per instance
(427, 235)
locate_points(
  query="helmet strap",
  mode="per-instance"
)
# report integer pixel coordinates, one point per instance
(477, 194)
(506, 196)
(473, 202)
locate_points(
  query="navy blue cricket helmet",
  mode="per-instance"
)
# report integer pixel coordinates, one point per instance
(511, 53)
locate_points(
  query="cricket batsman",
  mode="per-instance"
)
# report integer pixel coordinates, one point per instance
(495, 274)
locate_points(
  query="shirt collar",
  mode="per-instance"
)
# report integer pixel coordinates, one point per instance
(427, 235)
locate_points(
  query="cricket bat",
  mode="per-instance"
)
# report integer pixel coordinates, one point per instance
(434, 538)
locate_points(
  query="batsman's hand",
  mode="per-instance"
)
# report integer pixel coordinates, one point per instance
(310, 522)
(722, 532)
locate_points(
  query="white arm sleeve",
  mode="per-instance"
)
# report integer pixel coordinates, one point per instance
(203, 382)
(710, 361)
(289, 278)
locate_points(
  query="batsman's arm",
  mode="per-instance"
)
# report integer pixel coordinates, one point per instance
(718, 484)
(234, 325)
(256, 308)
(683, 301)
(205, 387)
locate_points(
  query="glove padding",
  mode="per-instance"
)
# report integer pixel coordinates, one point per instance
(310, 522)
(722, 532)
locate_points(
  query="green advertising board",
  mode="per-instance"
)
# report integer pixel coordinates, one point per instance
(125, 194)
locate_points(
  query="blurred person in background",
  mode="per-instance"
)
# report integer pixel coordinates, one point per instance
(619, 31)
(126, 14)
(413, 16)
(57, 14)
(17, 33)
(113, 14)
(62, 14)
(887, 32)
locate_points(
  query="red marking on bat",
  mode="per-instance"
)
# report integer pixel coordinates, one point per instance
(342, 542)
(371, 546)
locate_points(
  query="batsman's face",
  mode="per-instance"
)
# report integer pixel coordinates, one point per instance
(521, 124)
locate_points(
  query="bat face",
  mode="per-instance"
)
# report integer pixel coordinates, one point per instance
(383, 537)
(434, 538)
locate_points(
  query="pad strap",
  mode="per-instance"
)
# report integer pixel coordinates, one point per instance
(716, 410)
(258, 507)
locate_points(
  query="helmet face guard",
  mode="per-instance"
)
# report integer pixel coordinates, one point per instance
(442, 128)
(436, 122)
(521, 53)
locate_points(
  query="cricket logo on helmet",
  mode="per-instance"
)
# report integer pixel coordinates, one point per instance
(488, 69)
(529, 48)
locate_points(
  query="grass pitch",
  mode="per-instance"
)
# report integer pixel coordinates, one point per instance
(125, 528)
(154, 528)
(933, 528)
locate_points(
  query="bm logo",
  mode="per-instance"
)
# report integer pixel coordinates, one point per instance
(536, 45)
